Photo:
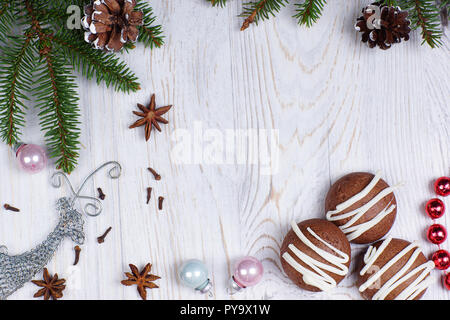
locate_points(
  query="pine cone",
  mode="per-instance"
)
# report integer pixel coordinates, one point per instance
(383, 29)
(110, 24)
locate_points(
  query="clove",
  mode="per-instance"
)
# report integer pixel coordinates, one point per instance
(160, 203)
(101, 239)
(10, 208)
(77, 255)
(101, 195)
(149, 194)
(155, 174)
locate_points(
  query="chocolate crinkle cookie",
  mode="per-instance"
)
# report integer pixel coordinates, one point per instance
(315, 255)
(394, 269)
(363, 206)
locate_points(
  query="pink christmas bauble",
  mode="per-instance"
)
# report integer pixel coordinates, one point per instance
(248, 271)
(31, 158)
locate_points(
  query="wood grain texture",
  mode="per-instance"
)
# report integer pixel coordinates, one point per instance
(337, 106)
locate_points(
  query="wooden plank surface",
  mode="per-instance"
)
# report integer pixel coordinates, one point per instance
(314, 105)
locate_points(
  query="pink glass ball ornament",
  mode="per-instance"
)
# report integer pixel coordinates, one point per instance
(30, 157)
(248, 271)
(437, 234)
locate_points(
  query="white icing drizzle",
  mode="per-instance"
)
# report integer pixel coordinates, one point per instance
(414, 289)
(352, 232)
(317, 278)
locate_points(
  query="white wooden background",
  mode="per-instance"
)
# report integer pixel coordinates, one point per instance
(338, 107)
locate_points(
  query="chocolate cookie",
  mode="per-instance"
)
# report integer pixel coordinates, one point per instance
(309, 246)
(362, 205)
(394, 269)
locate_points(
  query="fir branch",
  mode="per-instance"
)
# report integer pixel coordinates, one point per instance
(44, 34)
(105, 67)
(391, 3)
(6, 19)
(16, 69)
(260, 10)
(309, 11)
(221, 3)
(424, 14)
(57, 99)
(149, 34)
(56, 17)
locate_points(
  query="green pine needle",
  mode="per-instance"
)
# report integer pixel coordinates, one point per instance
(38, 55)
(221, 3)
(6, 19)
(424, 14)
(262, 9)
(16, 68)
(57, 98)
(309, 11)
(149, 33)
(103, 66)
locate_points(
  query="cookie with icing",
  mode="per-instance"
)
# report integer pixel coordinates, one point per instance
(362, 205)
(315, 255)
(394, 269)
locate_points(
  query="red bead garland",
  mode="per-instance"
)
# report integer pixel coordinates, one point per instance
(441, 259)
(442, 186)
(435, 208)
(437, 233)
(447, 281)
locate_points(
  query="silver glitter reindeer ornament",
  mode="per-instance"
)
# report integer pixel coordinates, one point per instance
(17, 270)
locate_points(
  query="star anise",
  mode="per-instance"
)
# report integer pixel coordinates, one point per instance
(52, 287)
(142, 279)
(150, 117)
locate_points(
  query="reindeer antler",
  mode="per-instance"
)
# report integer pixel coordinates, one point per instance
(93, 202)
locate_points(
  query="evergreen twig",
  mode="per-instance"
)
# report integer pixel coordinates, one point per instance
(6, 19)
(58, 101)
(38, 54)
(424, 14)
(16, 68)
(309, 11)
(105, 67)
(221, 3)
(260, 10)
(56, 97)
(149, 33)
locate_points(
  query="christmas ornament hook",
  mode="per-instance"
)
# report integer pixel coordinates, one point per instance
(93, 203)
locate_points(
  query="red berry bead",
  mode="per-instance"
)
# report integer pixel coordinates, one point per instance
(441, 259)
(437, 233)
(442, 186)
(435, 208)
(447, 281)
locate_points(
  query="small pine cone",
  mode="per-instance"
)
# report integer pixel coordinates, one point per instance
(109, 24)
(383, 25)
